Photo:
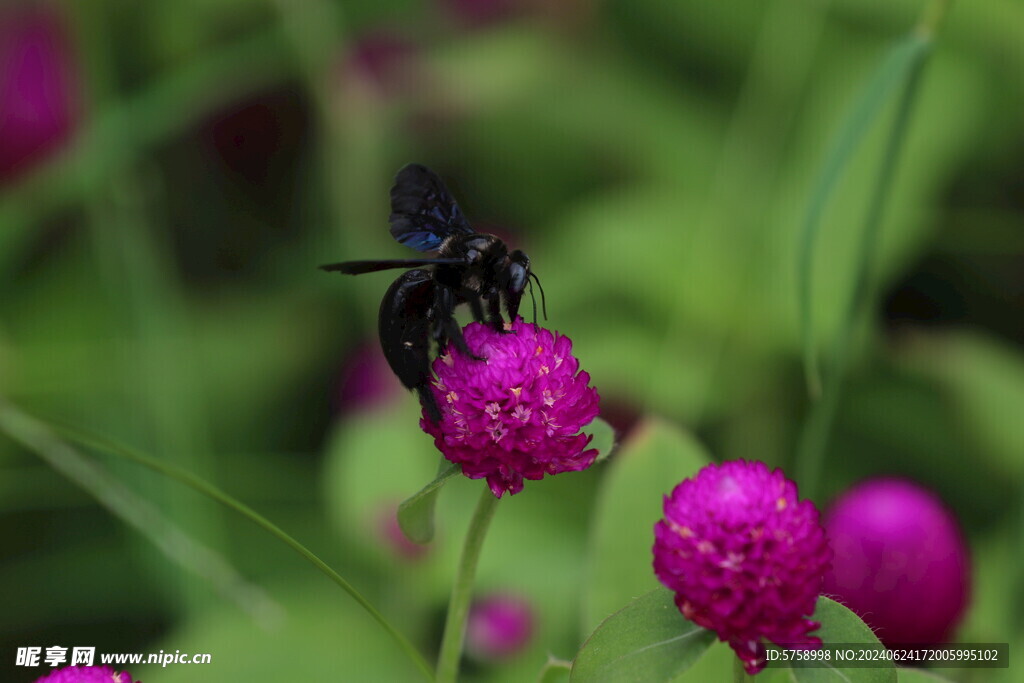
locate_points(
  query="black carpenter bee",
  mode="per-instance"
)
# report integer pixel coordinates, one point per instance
(469, 267)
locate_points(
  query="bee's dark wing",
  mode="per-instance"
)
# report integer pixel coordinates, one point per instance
(360, 267)
(423, 212)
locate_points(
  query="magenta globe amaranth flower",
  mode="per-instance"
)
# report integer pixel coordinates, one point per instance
(86, 674)
(498, 627)
(901, 562)
(517, 415)
(744, 556)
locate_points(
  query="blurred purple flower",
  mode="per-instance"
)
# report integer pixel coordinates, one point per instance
(519, 414)
(901, 562)
(366, 381)
(744, 557)
(498, 627)
(378, 68)
(86, 674)
(380, 57)
(38, 87)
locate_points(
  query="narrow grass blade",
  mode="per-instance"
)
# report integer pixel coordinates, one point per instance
(892, 74)
(814, 437)
(138, 512)
(9, 415)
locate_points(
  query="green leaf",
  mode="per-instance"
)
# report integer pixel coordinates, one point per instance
(319, 636)
(718, 663)
(648, 640)
(416, 514)
(603, 438)
(656, 457)
(777, 675)
(840, 625)
(919, 676)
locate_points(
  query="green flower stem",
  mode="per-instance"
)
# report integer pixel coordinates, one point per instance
(462, 590)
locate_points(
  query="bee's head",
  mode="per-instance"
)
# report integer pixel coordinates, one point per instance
(518, 277)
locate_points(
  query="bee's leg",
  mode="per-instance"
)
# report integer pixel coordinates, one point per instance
(494, 311)
(454, 334)
(428, 402)
(477, 308)
(447, 328)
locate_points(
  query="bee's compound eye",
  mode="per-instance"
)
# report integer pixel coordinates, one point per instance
(519, 271)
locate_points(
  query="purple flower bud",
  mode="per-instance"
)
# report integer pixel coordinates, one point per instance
(901, 562)
(38, 87)
(86, 674)
(499, 627)
(519, 413)
(744, 556)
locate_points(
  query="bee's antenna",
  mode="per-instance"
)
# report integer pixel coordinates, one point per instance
(543, 299)
(534, 300)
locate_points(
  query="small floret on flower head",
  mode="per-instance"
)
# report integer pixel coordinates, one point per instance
(745, 558)
(517, 415)
(86, 674)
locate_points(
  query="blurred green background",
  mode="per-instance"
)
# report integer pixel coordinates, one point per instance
(171, 174)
